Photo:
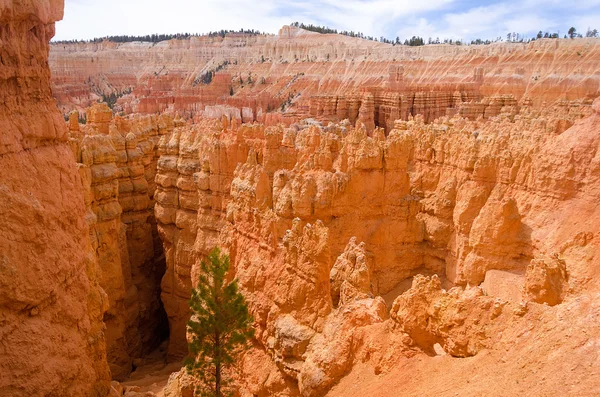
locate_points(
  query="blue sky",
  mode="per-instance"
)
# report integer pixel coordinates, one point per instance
(455, 19)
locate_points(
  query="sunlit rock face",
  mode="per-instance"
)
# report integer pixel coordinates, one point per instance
(299, 74)
(327, 226)
(387, 210)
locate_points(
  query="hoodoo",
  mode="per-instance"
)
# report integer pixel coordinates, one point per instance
(408, 220)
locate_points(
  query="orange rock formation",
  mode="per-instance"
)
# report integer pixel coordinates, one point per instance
(398, 218)
(329, 77)
(51, 303)
(117, 162)
(479, 206)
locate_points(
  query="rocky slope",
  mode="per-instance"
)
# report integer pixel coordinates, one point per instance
(431, 228)
(330, 77)
(51, 304)
(327, 226)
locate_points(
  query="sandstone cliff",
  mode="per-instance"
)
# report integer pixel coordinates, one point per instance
(298, 74)
(117, 161)
(396, 217)
(327, 226)
(51, 304)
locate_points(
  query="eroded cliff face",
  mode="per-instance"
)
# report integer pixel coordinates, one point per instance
(327, 226)
(117, 161)
(51, 303)
(431, 210)
(298, 74)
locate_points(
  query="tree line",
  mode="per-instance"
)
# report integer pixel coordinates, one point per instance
(326, 30)
(150, 38)
(223, 33)
(419, 41)
(157, 38)
(413, 41)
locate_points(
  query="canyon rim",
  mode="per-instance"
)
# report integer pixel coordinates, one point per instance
(402, 220)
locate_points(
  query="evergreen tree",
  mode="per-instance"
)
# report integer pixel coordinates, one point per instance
(572, 33)
(220, 327)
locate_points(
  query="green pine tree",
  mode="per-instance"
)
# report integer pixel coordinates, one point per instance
(220, 327)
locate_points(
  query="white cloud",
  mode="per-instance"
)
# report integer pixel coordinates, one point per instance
(390, 18)
(87, 19)
(376, 18)
(496, 20)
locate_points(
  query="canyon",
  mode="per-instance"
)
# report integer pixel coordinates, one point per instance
(323, 76)
(401, 220)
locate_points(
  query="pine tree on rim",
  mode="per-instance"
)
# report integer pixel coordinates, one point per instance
(219, 329)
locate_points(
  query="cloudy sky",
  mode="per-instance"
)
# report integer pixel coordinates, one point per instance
(456, 19)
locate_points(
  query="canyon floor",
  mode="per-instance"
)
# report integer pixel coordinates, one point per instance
(406, 221)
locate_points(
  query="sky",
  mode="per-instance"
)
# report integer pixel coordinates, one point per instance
(452, 19)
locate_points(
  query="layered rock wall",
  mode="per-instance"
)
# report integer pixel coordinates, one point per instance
(324, 221)
(299, 74)
(453, 209)
(52, 339)
(117, 160)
